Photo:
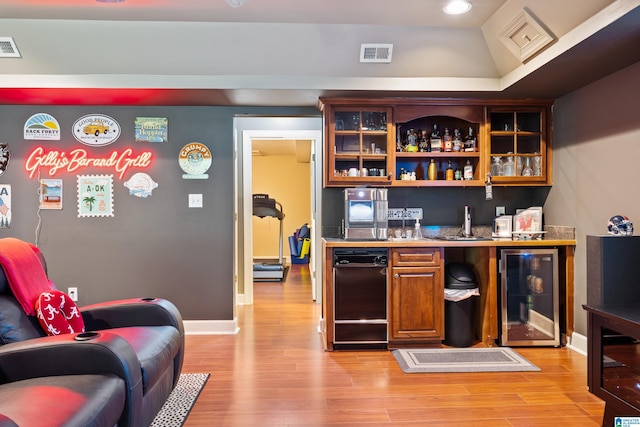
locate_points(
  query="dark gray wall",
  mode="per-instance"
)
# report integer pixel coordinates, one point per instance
(595, 166)
(152, 247)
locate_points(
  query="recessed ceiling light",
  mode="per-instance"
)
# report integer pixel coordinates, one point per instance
(457, 7)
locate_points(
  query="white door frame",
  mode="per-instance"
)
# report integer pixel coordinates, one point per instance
(246, 129)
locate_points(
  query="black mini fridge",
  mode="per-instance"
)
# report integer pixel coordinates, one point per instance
(529, 297)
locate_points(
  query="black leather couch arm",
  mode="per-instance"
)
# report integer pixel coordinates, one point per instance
(136, 312)
(132, 312)
(76, 354)
(70, 354)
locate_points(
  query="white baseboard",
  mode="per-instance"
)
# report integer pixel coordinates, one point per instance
(211, 327)
(577, 343)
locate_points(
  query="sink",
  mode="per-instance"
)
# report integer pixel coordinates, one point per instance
(462, 238)
(409, 239)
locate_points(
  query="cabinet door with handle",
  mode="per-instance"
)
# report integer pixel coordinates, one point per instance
(417, 301)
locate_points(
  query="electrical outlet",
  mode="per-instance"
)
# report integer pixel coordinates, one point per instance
(500, 210)
(73, 293)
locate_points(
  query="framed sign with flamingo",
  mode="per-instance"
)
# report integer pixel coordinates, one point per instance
(95, 195)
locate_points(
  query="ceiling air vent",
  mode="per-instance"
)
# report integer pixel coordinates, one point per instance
(8, 48)
(525, 36)
(375, 52)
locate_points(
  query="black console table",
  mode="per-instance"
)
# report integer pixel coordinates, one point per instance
(614, 358)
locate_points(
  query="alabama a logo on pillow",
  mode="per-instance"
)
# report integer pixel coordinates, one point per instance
(58, 313)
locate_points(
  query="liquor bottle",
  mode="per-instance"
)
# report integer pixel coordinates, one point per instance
(424, 140)
(412, 141)
(432, 171)
(470, 141)
(435, 139)
(457, 140)
(529, 325)
(457, 175)
(449, 173)
(447, 140)
(468, 171)
(399, 141)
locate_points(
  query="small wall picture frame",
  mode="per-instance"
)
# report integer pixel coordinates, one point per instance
(95, 196)
(502, 226)
(50, 194)
(5, 205)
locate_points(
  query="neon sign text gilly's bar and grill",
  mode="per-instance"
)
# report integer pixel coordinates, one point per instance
(79, 158)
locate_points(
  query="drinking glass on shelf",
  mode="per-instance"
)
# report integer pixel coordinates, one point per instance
(526, 170)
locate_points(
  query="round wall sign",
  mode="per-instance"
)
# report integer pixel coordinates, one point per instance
(96, 130)
(195, 160)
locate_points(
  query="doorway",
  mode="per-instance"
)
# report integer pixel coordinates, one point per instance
(246, 130)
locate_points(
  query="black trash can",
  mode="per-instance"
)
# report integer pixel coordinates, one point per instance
(459, 315)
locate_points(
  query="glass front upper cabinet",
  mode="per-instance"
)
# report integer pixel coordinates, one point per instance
(359, 144)
(518, 146)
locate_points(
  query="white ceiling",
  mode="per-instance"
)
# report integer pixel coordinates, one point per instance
(290, 52)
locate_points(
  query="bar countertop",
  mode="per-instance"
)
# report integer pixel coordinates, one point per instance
(436, 237)
(435, 242)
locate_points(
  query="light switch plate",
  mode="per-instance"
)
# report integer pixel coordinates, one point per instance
(195, 200)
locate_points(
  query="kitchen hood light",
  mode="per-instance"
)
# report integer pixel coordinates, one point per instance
(457, 7)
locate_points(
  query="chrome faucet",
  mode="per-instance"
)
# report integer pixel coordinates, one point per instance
(467, 221)
(404, 217)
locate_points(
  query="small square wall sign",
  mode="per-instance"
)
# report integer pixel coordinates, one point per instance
(95, 195)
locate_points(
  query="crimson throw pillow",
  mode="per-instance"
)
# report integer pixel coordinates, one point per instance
(58, 313)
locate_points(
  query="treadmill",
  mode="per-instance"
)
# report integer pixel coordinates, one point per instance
(269, 270)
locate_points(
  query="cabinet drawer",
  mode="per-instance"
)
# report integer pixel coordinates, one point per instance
(406, 257)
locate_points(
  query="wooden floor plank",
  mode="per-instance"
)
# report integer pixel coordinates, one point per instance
(275, 372)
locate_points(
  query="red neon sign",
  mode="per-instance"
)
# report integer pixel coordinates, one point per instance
(79, 158)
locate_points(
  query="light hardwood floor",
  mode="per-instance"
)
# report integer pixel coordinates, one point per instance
(276, 373)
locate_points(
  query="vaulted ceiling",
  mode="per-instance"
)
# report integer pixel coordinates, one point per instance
(290, 52)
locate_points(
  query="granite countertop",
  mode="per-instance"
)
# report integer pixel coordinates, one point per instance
(444, 236)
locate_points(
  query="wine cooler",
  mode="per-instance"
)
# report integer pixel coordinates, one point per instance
(529, 297)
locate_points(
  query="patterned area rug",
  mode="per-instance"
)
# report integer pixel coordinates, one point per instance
(177, 407)
(494, 359)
